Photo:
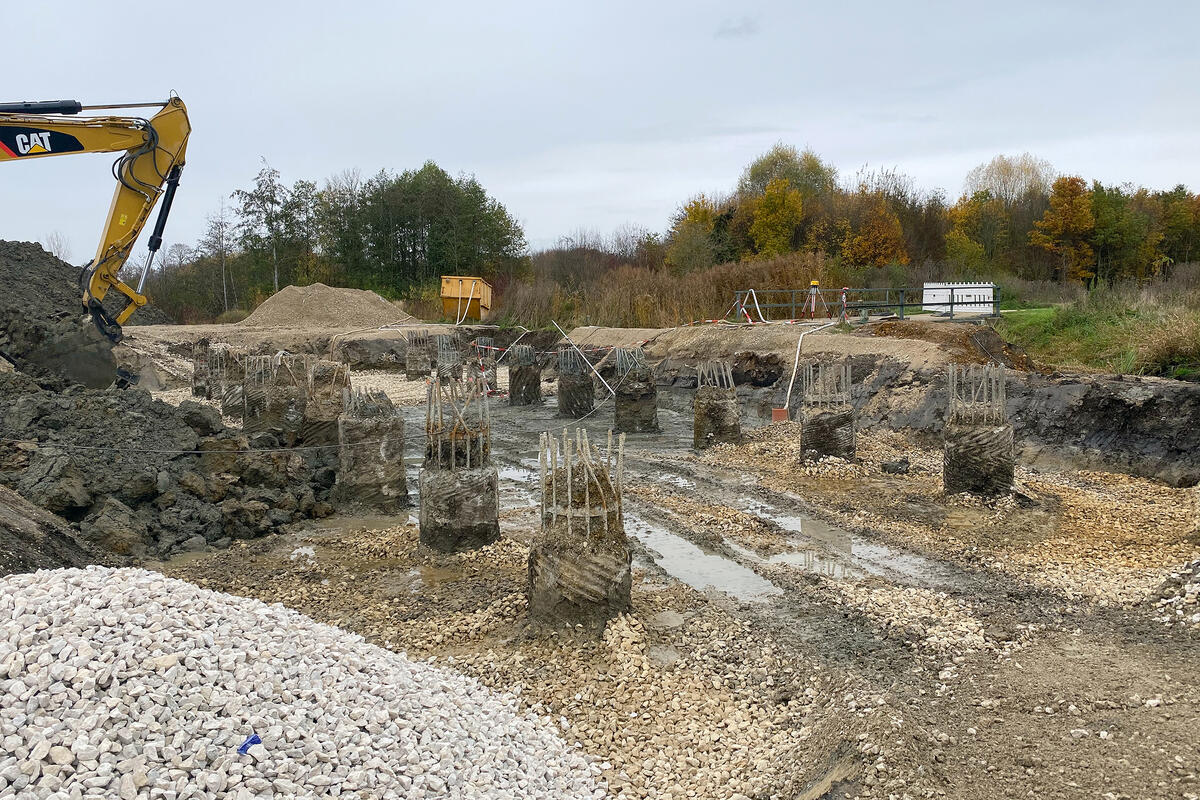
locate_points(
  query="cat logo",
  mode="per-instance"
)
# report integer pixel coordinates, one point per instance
(29, 144)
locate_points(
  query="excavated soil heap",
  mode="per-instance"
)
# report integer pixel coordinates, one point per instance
(144, 478)
(321, 306)
(33, 539)
(39, 285)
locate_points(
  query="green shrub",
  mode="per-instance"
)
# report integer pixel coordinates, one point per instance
(233, 315)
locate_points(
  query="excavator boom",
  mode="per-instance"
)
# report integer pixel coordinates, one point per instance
(152, 157)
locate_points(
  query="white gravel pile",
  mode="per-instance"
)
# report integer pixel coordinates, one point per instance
(126, 684)
(1179, 599)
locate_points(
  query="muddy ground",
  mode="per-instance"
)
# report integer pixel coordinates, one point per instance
(803, 631)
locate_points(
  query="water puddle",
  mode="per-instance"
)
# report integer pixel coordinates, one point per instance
(686, 562)
(804, 557)
(854, 555)
(520, 475)
(678, 480)
(341, 525)
(417, 579)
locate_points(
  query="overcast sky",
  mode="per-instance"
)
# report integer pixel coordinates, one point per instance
(592, 115)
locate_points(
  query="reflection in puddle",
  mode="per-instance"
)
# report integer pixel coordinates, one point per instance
(516, 474)
(855, 554)
(417, 579)
(678, 480)
(686, 562)
(804, 557)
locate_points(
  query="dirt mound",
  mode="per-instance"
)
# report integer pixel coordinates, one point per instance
(36, 283)
(33, 539)
(321, 306)
(968, 343)
(44, 287)
(144, 478)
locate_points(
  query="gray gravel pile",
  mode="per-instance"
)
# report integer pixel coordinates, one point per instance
(122, 683)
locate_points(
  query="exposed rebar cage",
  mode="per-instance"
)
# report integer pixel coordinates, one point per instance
(580, 486)
(366, 402)
(522, 355)
(221, 362)
(569, 361)
(458, 425)
(418, 340)
(485, 347)
(201, 374)
(715, 415)
(629, 359)
(977, 394)
(449, 357)
(416, 357)
(826, 385)
(714, 373)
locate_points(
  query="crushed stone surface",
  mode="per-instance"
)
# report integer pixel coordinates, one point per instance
(125, 683)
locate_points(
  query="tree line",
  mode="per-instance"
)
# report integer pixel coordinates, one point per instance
(392, 233)
(1016, 215)
(396, 233)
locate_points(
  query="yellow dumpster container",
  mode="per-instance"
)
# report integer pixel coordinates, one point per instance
(465, 297)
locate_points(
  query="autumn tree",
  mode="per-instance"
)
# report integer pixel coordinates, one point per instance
(1009, 179)
(983, 220)
(690, 246)
(1180, 211)
(804, 171)
(776, 216)
(1066, 228)
(878, 239)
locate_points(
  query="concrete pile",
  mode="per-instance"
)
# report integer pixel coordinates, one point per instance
(293, 399)
(978, 454)
(124, 684)
(576, 392)
(144, 478)
(326, 385)
(201, 385)
(275, 399)
(636, 401)
(416, 356)
(459, 484)
(524, 376)
(716, 419)
(371, 455)
(580, 567)
(827, 417)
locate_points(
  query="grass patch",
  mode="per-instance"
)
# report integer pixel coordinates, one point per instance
(1127, 332)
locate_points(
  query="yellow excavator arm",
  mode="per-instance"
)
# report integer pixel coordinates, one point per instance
(152, 156)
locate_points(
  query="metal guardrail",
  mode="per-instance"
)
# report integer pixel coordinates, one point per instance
(754, 304)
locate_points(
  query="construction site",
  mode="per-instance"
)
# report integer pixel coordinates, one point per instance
(334, 550)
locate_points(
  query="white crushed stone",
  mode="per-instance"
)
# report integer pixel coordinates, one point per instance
(122, 683)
